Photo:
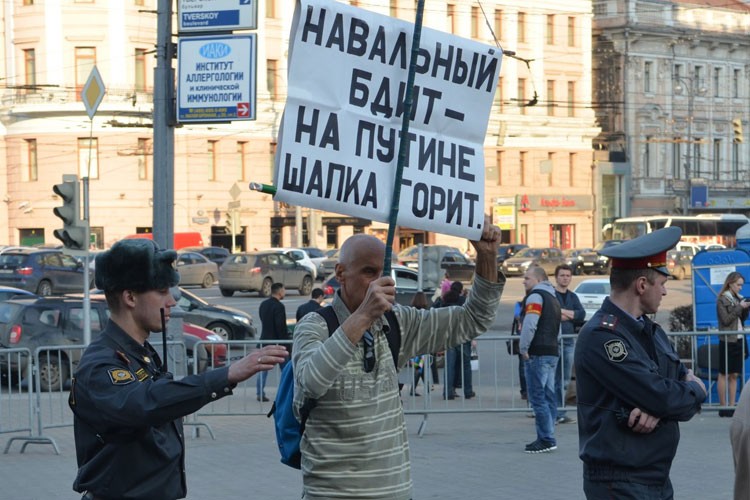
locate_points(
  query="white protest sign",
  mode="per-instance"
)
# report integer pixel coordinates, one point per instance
(339, 137)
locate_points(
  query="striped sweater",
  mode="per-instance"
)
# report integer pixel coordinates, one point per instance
(355, 444)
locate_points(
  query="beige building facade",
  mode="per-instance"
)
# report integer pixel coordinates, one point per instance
(541, 177)
(672, 94)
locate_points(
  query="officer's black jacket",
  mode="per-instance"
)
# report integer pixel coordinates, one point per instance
(614, 371)
(128, 426)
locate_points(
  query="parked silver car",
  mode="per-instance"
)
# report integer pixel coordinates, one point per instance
(196, 269)
(257, 271)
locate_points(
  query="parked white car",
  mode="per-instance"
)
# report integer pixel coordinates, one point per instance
(301, 256)
(592, 293)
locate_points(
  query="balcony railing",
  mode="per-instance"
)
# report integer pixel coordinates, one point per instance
(51, 96)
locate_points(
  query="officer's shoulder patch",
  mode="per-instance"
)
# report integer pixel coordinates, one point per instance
(609, 322)
(616, 350)
(120, 376)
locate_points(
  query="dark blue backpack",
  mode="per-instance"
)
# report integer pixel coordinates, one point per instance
(288, 430)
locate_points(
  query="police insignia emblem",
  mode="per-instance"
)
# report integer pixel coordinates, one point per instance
(141, 374)
(119, 376)
(616, 350)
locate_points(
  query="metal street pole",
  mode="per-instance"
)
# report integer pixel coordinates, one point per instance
(163, 192)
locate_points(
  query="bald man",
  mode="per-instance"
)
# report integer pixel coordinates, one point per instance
(355, 445)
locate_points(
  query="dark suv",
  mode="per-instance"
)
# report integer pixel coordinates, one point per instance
(44, 272)
(595, 263)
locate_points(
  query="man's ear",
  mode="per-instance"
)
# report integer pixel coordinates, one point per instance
(640, 285)
(339, 271)
(128, 298)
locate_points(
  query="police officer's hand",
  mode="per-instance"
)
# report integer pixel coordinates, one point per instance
(690, 377)
(641, 422)
(261, 360)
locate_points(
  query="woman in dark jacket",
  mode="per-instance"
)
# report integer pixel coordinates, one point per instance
(732, 311)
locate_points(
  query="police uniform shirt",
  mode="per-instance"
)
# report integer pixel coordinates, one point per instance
(615, 372)
(128, 427)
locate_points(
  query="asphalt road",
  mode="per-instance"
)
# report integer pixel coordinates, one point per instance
(678, 294)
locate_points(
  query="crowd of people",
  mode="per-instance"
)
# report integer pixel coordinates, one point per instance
(632, 388)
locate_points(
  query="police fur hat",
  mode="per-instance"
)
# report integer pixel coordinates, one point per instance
(136, 264)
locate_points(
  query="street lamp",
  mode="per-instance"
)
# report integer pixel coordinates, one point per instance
(691, 84)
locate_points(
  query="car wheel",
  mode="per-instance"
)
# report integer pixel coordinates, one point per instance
(44, 289)
(53, 372)
(222, 330)
(208, 280)
(306, 287)
(226, 293)
(265, 288)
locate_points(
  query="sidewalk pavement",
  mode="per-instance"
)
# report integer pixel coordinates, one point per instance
(460, 457)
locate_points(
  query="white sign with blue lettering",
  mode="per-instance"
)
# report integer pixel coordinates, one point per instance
(216, 78)
(217, 15)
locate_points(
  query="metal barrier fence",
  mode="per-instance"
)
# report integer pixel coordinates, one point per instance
(30, 408)
(43, 385)
(496, 381)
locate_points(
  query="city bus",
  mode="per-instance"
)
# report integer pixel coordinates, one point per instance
(703, 229)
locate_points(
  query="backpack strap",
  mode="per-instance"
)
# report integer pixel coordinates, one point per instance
(393, 333)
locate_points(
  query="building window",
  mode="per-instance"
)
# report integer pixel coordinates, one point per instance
(736, 83)
(697, 77)
(213, 163)
(735, 162)
(717, 159)
(271, 9)
(549, 169)
(28, 2)
(647, 157)
(85, 60)
(550, 34)
(498, 24)
(647, 73)
(31, 160)
(499, 159)
(476, 20)
(142, 153)
(572, 158)
(498, 101)
(139, 3)
(393, 8)
(697, 159)
(571, 98)
(522, 27)
(140, 70)
(550, 97)
(88, 157)
(677, 158)
(717, 82)
(452, 21)
(272, 78)
(678, 71)
(242, 159)
(522, 94)
(571, 32)
(29, 68)
(522, 161)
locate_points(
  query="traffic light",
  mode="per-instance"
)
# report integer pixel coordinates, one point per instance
(230, 222)
(73, 234)
(737, 129)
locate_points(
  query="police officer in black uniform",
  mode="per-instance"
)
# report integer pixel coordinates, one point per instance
(632, 389)
(128, 413)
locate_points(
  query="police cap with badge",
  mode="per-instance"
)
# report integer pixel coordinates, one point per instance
(136, 264)
(645, 252)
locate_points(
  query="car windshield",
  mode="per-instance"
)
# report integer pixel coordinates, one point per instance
(607, 244)
(529, 252)
(192, 297)
(7, 311)
(12, 259)
(593, 288)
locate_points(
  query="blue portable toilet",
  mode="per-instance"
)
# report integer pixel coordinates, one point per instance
(710, 269)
